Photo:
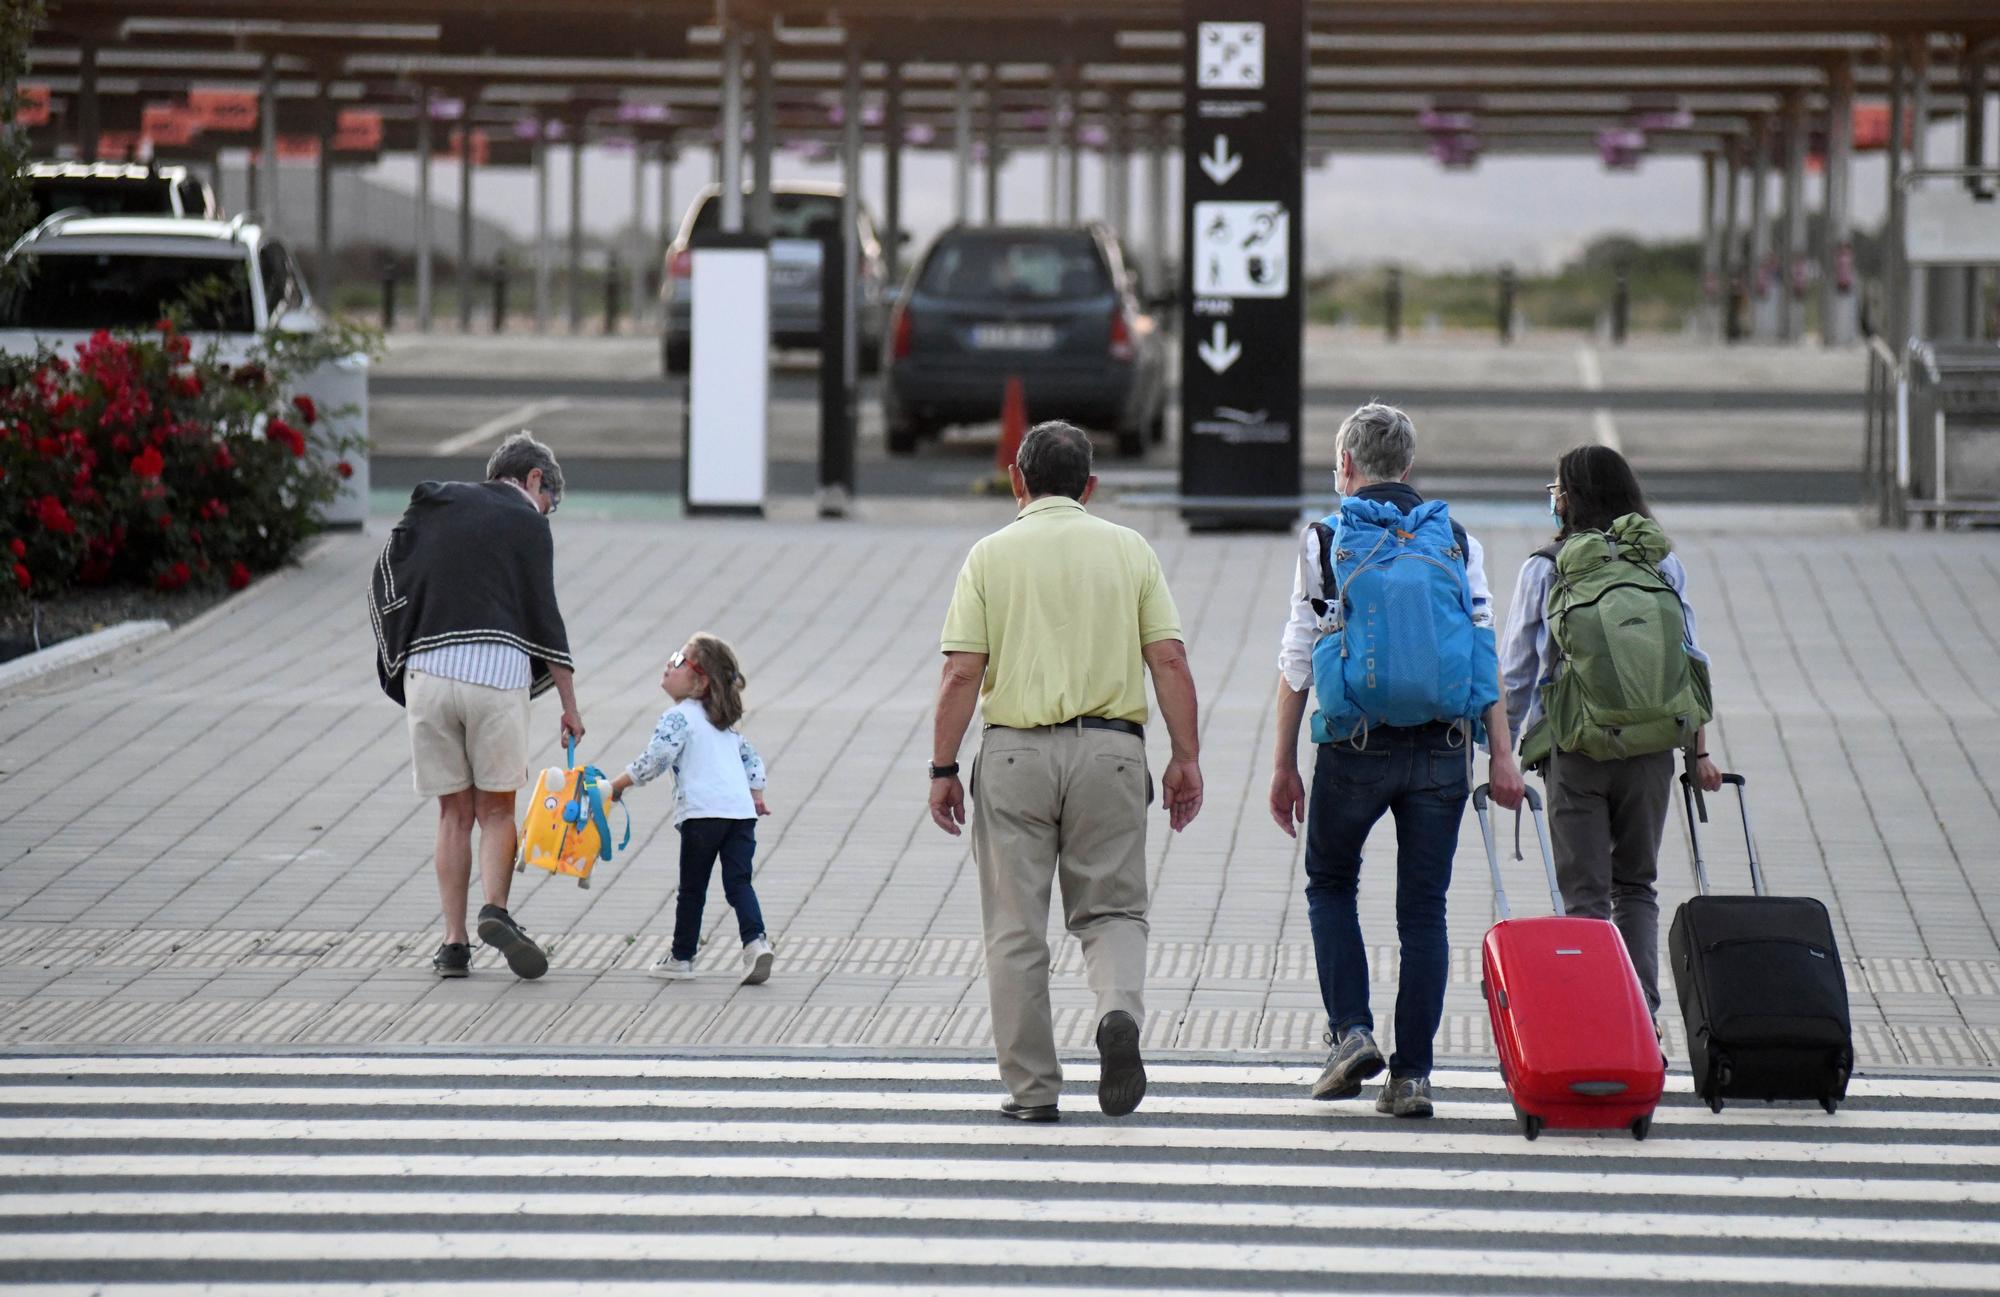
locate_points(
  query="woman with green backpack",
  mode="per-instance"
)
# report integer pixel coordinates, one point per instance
(1606, 684)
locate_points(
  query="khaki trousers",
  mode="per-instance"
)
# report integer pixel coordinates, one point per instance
(1062, 803)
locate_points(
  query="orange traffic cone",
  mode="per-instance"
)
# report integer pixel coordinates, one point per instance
(1013, 427)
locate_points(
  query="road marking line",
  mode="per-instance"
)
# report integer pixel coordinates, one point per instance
(1600, 1185)
(39, 1096)
(508, 422)
(1601, 422)
(1527, 1262)
(243, 1206)
(1591, 1145)
(784, 1069)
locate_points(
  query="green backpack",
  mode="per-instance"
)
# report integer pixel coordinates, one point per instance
(1626, 684)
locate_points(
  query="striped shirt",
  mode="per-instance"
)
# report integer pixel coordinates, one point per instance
(482, 662)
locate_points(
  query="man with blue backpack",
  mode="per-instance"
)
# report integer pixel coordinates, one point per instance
(1392, 629)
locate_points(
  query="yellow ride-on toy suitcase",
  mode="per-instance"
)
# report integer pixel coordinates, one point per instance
(566, 831)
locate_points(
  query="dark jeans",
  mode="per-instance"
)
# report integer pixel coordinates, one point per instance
(1421, 777)
(702, 840)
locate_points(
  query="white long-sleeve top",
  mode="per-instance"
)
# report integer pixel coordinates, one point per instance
(1305, 626)
(714, 770)
(1527, 660)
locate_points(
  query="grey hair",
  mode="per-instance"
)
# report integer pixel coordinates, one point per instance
(1055, 459)
(1382, 441)
(521, 455)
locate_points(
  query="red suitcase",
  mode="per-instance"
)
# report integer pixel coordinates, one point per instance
(1576, 1043)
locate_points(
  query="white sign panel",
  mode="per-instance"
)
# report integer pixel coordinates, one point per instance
(1232, 56)
(728, 378)
(1947, 225)
(1240, 250)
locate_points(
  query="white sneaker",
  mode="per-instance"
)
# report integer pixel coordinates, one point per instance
(757, 957)
(673, 970)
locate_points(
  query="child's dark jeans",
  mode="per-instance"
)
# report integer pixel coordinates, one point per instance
(702, 840)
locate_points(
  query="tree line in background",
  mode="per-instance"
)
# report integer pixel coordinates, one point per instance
(1662, 283)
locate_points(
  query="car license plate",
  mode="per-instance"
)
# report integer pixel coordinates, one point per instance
(793, 276)
(1014, 337)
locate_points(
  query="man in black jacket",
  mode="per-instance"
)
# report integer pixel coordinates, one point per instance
(463, 603)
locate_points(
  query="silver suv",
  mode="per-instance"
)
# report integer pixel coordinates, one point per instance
(802, 214)
(85, 273)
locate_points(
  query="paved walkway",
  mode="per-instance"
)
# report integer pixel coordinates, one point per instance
(211, 840)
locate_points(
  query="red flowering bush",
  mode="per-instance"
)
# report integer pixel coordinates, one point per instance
(137, 462)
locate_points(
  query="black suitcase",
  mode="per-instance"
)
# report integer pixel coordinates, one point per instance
(1761, 988)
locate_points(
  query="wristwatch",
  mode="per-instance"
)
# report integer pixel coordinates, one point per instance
(944, 772)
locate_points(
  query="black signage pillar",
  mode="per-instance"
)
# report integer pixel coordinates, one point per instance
(1242, 271)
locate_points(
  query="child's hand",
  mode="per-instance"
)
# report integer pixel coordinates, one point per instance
(618, 786)
(757, 797)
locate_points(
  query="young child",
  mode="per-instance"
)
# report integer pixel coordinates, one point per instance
(718, 795)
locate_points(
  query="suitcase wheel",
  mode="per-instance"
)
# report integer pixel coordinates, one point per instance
(583, 882)
(1715, 1102)
(1642, 1126)
(1531, 1127)
(1829, 1103)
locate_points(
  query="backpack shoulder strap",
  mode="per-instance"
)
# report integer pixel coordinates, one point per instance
(1328, 584)
(1548, 551)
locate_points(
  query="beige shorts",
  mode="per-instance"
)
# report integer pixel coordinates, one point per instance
(465, 736)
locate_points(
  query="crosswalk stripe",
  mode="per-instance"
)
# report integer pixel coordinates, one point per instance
(775, 1069)
(369, 1176)
(1356, 1217)
(919, 1134)
(1531, 1261)
(642, 1288)
(866, 1101)
(936, 1168)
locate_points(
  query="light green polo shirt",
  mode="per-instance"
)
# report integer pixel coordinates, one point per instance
(1061, 603)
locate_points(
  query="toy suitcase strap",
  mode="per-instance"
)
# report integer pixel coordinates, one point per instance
(1570, 1024)
(1761, 989)
(566, 830)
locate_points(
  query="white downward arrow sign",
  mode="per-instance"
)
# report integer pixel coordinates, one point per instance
(1219, 162)
(1219, 353)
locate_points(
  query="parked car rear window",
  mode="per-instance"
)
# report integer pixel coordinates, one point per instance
(1027, 267)
(793, 216)
(102, 196)
(111, 290)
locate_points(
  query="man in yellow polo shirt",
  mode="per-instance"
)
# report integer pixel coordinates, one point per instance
(1055, 622)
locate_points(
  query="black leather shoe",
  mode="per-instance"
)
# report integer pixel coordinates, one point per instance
(498, 929)
(1040, 1114)
(1121, 1076)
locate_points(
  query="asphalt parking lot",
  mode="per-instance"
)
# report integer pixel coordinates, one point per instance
(1702, 423)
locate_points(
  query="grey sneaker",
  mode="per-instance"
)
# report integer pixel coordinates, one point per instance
(1405, 1096)
(1354, 1059)
(757, 957)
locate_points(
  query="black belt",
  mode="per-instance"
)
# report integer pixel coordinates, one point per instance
(1133, 728)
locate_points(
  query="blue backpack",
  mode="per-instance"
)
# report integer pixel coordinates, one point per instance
(1403, 649)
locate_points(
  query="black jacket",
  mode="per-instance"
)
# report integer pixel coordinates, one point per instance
(468, 563)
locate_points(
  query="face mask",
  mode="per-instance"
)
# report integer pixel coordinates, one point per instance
(1553, 511)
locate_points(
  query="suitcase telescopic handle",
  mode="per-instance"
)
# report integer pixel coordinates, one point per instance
(1480, 796)
(1694, 834)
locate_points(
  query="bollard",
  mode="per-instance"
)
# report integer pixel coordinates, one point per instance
(388, 302)
(1392, 303)
(500, 296)
(1621, 307)
(1506, 320)
(611, 294)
